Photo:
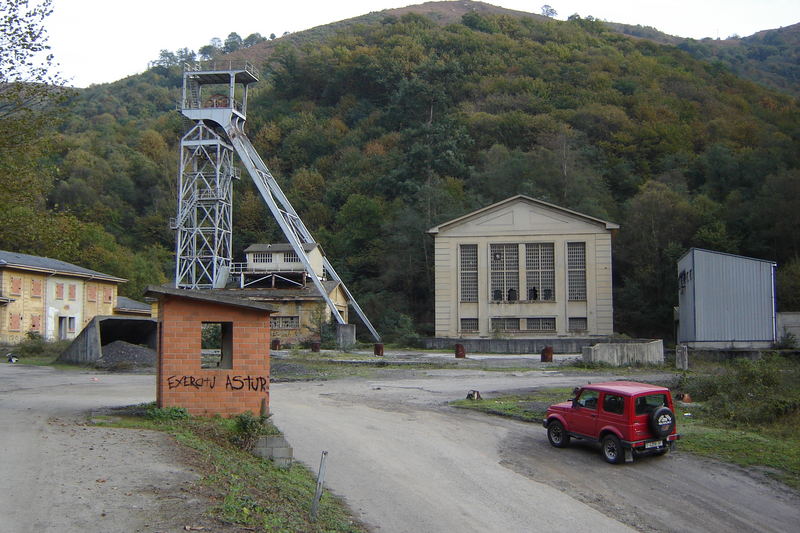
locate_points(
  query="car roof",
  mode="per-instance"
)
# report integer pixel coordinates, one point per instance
(626, 388)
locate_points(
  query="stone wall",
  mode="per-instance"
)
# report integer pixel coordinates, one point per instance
(517, 346)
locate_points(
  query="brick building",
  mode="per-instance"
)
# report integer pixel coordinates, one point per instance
(228, 379)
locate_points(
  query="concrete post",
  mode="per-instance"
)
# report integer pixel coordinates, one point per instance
(682, 357)
(345, 335)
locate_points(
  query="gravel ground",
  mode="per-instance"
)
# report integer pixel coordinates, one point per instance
(121, 355)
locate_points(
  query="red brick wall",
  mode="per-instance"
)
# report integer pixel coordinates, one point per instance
(182, 383)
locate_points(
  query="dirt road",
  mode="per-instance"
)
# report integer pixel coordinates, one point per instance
(407, 462)
(58, 474)
(402, 459)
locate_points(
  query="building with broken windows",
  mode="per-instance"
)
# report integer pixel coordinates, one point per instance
(274, 274)
(53, 298)
(523, 268)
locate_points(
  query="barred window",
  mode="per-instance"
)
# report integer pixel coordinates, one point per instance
(540, 271)
(290, 257)
(504, 265)
(576, 270)
(505, 324)
(540, 324)
(469, 272)
(578, 324)
(284, 322)
(469, 324)
(262, 257)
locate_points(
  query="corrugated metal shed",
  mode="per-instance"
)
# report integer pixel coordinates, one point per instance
(725, 299)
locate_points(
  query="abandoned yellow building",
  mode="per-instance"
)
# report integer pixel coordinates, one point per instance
(523, 268)
(53, 298)
(273, 273)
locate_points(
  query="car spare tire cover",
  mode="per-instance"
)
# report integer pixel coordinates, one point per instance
(662, 422)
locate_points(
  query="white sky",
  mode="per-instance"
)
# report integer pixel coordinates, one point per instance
(99, 41)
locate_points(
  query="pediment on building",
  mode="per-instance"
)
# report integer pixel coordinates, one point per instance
(522, 215)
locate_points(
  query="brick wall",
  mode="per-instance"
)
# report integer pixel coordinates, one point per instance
(181, 380)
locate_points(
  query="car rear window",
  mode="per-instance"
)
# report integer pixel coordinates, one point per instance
(649, 403)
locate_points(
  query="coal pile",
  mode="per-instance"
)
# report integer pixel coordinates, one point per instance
(120, 355)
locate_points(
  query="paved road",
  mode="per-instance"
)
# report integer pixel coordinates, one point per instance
(407, 462)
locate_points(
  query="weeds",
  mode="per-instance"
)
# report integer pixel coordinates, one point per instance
(164, 414)
(748, 392)
(36, 347)
(247, 429)
(250, 491)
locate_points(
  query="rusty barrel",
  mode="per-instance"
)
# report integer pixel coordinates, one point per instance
(275, 344)
(460, 352)
(379, 349)
(547, 354)
(315, 347)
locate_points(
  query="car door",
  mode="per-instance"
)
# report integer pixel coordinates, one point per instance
(584, 415)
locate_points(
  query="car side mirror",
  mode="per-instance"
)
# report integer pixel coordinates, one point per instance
(574, 403)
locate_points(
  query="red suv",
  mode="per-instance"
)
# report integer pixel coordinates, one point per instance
(623, 416)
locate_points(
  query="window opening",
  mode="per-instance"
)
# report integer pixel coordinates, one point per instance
(504, 264)
(16, 286)
(262, 257)
(36, 288)
(540, 324)
(648, 404)
(217, 345)
(290, 257)
(578, 324)
(284, 322)
(588, 399)
(613, 404)
(505, 324)
(469, 324)
(576, 271)
(540, 271)
(469, 272)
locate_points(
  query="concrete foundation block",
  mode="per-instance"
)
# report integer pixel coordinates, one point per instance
(282, 462)
(621, 354)
(282, 453)
(345, 335)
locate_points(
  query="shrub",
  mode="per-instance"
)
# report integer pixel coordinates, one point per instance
(247, 429)
(749, 392)
(35, 345)
(165, 414)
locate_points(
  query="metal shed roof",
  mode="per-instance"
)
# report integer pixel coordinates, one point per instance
(55, 266)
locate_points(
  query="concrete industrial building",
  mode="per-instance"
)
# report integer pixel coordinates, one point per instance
(725, 301)
(53, 298)
(523, 269)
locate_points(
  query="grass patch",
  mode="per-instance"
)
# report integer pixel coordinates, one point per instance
(528, 407)
(251, 491)
(767, 448)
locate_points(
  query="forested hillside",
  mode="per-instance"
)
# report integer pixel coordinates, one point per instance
(389, 127)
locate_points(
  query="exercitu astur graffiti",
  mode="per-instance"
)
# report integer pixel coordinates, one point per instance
(246, 383)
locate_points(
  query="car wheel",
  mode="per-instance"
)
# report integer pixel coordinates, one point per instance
(612, 449)
(557, 435)
(662, 422)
